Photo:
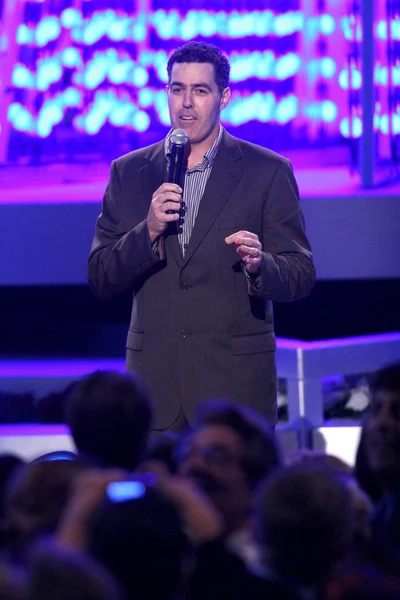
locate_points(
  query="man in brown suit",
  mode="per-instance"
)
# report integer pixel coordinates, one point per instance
(202, 320)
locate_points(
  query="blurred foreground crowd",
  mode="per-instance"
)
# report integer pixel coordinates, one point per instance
(214, 513)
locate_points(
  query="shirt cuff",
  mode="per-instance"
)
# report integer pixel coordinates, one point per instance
(252, 278)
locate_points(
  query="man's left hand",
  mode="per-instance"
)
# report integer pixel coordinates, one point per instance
(249, 248)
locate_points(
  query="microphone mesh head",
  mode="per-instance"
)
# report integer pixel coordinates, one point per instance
(180, 137)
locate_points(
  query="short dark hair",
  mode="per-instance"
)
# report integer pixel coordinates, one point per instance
(303, 521)
(34, 501)
(261, 453)
(56, 572)
(109, 415)
(202, 52)
(164, 449)
(141, 542)
(387, 378)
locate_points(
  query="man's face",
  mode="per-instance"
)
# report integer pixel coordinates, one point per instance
(213, 459)
(382, 433)
(194, 100)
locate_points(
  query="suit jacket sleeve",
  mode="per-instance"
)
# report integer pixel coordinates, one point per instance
(119, 255)
(287, 269)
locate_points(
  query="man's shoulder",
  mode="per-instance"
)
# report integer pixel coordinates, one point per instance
(255, 152)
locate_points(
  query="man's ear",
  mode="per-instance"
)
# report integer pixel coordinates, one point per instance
(225, 97)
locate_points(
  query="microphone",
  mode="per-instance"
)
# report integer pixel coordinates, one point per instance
(179, 139)
(176, 171)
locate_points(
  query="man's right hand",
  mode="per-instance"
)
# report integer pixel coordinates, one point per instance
(167, 198)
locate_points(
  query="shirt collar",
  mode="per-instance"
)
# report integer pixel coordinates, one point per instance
(209, 155)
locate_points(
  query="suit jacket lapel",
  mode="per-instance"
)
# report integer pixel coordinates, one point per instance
(153, 174)
(225, 175)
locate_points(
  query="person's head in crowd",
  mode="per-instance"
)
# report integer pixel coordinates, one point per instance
(303, 522)
(381, 428)
(54, 573)
(362, 506)
(34, 500)
(51, 408)
(138, 535)
(109, 414)
(317, 458)
(228, 454)
(164, 450)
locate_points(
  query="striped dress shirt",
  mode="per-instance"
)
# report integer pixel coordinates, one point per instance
(194, 184)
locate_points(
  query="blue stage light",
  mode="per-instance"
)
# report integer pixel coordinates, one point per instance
(326, 24)
(25, 35)
(47, 30)
(22, 77)
(208, 25)
(381, 76)
(139, 31)
(93, 122)
(384, 124)
(356, 79)
(118, 29)
(121, 113)
(141, 121)
(354, 131)
(266, 106)
(168, 25)
(351, 29)
(396, 124)
(140, 77)
(72, 97)
(51, 112)
(344, 128)
(328, 67)
(71, 57)
(145, 98)
(381, 30)
(70, 17)
(43, 128)
(286, 109)
(329, 111)
(20, 117)
(396, 75)
(96, 71)
(49, 71)
(287, 66)
(118, 72)
(288, 23)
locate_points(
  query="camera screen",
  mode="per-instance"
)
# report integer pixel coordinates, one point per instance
(121, 491)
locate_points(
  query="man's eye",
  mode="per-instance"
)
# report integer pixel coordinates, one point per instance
(176, 90)
(201, 92)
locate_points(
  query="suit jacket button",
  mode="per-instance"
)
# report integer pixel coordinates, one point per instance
(183, 334)
(184, 286)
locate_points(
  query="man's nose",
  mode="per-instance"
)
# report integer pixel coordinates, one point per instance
(188, 99)
(195, 461)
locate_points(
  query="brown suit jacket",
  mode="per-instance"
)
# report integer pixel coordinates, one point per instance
(198, 330)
